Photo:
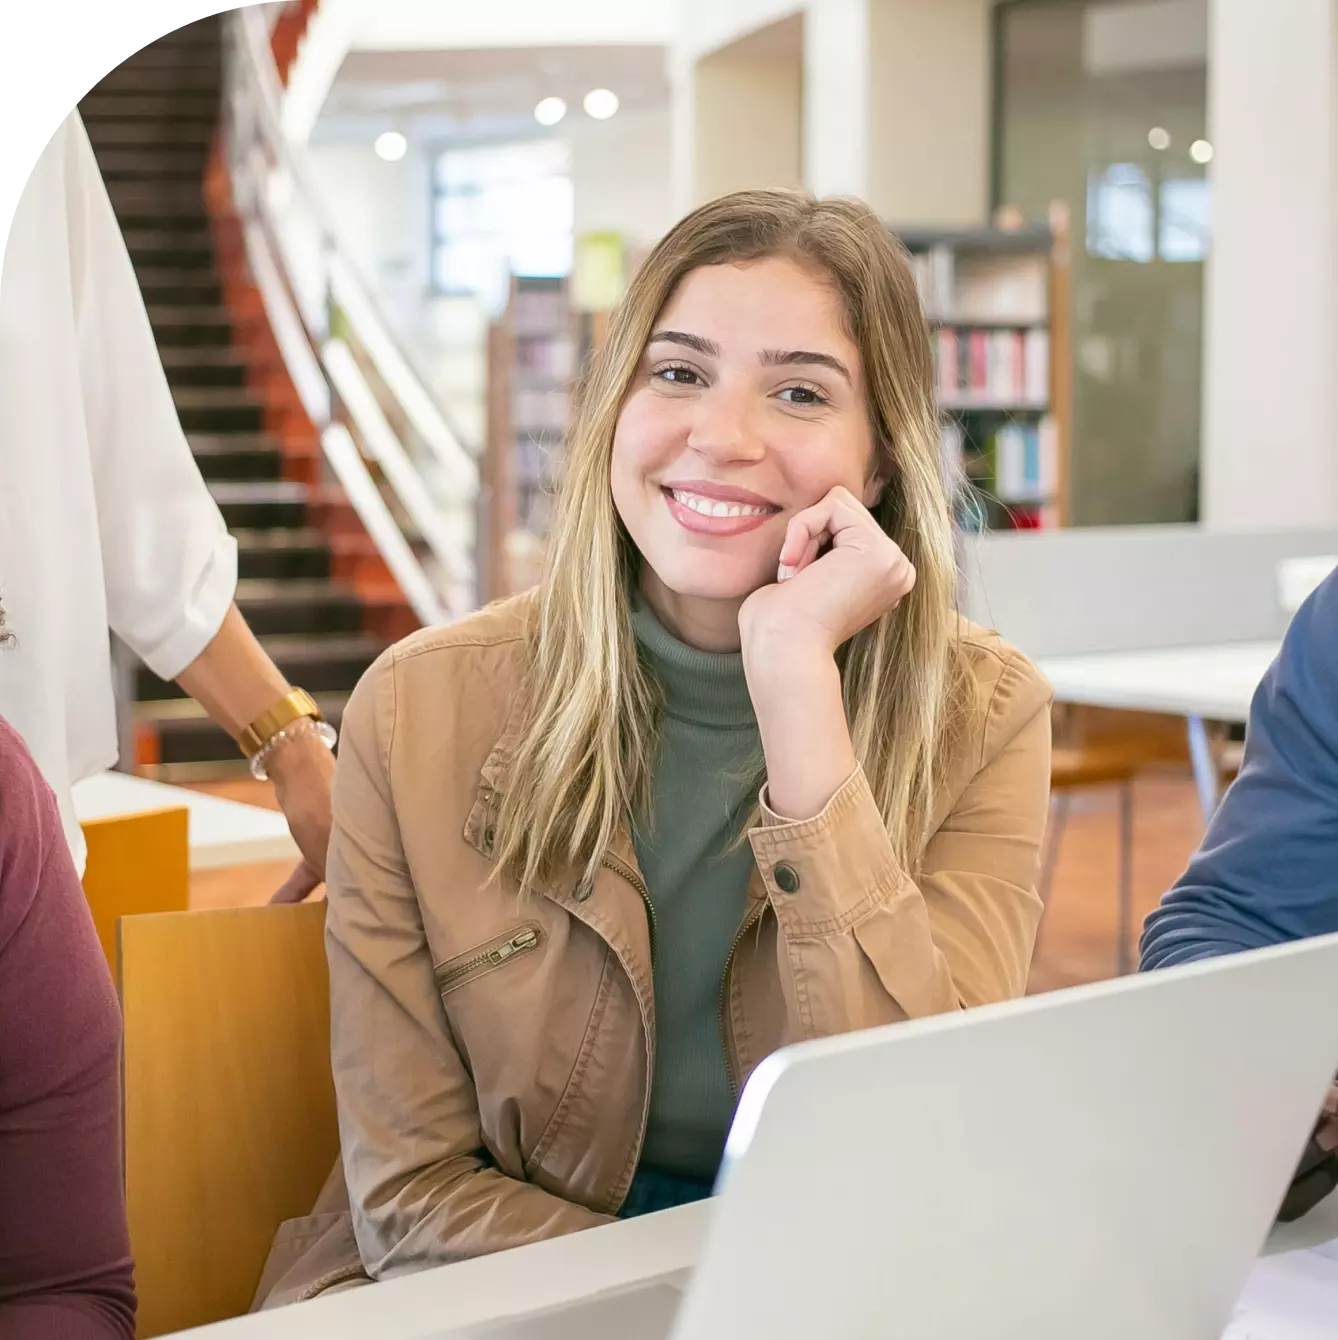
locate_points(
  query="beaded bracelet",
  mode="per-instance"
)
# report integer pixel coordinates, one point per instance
(302, 726)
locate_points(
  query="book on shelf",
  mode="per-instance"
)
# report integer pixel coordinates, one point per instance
(992, 367)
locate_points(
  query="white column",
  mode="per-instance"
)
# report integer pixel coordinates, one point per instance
(1270, 453)
(836, 97)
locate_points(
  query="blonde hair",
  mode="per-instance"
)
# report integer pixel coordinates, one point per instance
(589, 708)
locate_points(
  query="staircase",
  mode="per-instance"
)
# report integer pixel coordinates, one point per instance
(152, 123)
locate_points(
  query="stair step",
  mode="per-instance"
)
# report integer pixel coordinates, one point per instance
(113, 104)
(194, 286)
(186, 735)
(254, 459)
(203, 365)
(261, 504)
(169, 247)
(318, 607)
(151, 134)
(330, 664)
(152, 164)
(140, 79)
(218, 409)
(177, 204)
(190, 325)
(164, 54)
(282, 553)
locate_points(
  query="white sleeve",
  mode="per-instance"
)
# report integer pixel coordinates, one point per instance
(170, 565)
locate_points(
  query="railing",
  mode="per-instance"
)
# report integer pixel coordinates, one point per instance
(330, 335)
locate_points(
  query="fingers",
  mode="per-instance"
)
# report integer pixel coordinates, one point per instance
(298, 886)
(836, 511)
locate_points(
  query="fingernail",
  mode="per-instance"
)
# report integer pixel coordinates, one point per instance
(784, 573)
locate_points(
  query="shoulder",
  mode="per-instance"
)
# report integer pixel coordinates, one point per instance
(1006, 691)
(440, 681)
(29, 825)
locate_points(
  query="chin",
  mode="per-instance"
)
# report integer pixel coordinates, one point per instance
(710, 577)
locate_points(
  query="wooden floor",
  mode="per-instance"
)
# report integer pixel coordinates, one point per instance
(1077, 942)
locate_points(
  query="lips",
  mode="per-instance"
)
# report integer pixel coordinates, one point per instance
(703, 511)
(726, 493)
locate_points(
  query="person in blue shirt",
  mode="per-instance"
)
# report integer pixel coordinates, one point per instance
(1267, 869)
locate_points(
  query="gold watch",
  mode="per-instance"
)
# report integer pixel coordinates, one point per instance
(293, 706)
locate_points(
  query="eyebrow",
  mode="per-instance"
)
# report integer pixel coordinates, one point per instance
(770, 357)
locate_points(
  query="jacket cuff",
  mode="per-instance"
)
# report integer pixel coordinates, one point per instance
(824, 874)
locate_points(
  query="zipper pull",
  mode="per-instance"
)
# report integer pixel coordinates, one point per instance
(525, 939)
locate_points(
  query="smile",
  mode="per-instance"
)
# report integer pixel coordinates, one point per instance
(714, 507)
(718, 517)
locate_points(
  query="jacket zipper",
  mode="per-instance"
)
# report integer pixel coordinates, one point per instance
(521, 942)
(620, 867)
(748, 923)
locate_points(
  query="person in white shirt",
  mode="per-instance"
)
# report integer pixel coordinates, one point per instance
(105, 521)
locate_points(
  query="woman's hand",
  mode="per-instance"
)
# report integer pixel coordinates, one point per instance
(817, 603)
(789, 633)
(302, 770)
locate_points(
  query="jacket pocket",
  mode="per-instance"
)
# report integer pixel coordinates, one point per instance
(487, 957)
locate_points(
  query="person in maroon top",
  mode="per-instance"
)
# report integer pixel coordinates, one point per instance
(65, 1268)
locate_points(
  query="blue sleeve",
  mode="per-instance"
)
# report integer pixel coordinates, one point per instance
(1267, 870)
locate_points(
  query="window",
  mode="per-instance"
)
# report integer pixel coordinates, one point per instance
(499, 210)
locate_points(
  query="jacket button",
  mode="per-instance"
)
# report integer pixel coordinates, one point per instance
(786, 877)
(489, 837)
(582, 891)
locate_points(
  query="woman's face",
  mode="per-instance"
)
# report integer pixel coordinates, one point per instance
(749, 406)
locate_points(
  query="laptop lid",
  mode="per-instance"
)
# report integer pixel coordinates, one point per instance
(1104, 1162)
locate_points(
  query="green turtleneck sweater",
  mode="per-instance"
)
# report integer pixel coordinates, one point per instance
(703, 787)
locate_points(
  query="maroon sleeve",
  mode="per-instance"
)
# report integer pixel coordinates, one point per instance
(65, 1271)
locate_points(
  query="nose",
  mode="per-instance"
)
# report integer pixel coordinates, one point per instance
(724, 428)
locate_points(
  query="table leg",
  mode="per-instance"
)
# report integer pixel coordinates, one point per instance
(1205, 768)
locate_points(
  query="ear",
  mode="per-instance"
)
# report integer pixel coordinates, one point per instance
(873, 491)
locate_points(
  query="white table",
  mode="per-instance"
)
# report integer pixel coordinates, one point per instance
(659, 1247)
(222, 832)
(1203, 683)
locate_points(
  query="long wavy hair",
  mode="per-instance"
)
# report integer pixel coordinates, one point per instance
(590, 708)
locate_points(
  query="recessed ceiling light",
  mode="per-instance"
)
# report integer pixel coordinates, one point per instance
(1159, 138)
(392, 146)
(550, 111)
(1201, 151)
(601, 103)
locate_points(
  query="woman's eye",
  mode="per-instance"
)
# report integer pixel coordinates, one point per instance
(805, 396)
(675, 375)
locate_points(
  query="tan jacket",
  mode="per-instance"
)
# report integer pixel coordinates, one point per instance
(492, 1059)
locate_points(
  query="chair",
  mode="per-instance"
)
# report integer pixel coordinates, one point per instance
(136, 863)
(1083, 756)
(229, 1102)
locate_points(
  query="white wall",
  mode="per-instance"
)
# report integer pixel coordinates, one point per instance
(622, 175)
(406, 25)
(894, 101)
(708, 25)
(929, 111)
(1271, 309)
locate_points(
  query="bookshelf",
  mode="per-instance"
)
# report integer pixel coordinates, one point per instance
(532, 362)
(995, 301)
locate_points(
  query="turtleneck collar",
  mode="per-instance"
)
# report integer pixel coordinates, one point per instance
(704, 687)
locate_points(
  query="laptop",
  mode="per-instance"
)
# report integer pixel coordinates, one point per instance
(1104, 1162)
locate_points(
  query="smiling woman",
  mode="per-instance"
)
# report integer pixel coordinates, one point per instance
(735, 775)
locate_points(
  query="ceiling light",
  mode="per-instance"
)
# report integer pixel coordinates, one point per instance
(1159, 138)
(392, 146)
(550, 111)
(1201, 151)
(600, 103)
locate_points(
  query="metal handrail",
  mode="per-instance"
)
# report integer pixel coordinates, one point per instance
(302, 272)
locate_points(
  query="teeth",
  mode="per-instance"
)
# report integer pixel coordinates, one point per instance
(712, 507)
